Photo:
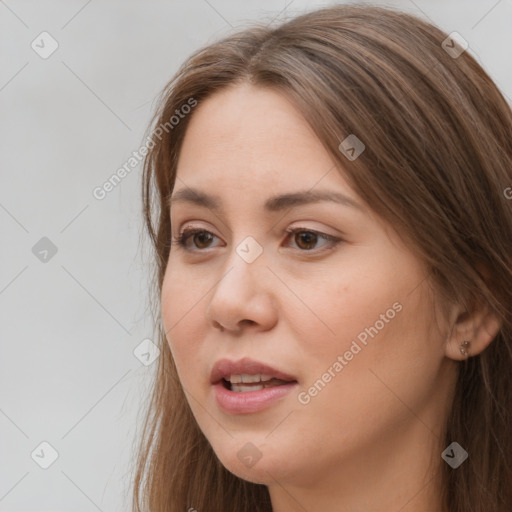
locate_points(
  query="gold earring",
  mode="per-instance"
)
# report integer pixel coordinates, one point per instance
(463, 346)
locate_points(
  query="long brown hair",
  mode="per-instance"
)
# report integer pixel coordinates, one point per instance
(437, 164)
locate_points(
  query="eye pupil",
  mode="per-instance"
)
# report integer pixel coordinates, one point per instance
(203, 236)
(308, 237)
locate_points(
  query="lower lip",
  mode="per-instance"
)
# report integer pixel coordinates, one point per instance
(249, 401)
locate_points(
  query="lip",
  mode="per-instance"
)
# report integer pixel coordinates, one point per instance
(225, 367)
(250, 401)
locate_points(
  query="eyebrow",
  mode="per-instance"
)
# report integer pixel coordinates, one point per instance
(273, 204)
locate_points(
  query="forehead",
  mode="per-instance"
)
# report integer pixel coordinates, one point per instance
(254, 127)
(249, 138)
(235, 108)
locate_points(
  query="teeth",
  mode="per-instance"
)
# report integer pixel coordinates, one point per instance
(240, 388)
(246, 378)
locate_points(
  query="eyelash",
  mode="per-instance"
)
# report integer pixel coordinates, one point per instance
(182, 238)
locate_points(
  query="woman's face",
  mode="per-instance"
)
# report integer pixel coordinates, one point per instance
(341, 307)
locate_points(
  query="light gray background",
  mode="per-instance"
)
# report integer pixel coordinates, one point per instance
(69, 326)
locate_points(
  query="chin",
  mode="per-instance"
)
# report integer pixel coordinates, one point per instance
(257, 465)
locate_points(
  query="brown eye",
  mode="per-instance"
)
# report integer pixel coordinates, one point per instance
(200, 238)
(307, 239)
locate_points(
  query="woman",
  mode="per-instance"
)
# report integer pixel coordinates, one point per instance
(328, 204)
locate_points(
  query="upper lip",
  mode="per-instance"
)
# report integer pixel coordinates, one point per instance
(225, 367)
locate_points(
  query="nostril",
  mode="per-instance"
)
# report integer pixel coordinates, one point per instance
(218, 326)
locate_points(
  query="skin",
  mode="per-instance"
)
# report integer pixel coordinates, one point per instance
(371, 439)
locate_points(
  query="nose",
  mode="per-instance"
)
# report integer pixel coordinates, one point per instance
(243, 297)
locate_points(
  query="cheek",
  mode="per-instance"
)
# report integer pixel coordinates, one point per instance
(182, 301)
(338, 306)
(368, 338)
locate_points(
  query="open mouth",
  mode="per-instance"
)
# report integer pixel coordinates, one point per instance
(244, 387)
(248, 387)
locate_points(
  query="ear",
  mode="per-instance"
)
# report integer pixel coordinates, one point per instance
(479, 327)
